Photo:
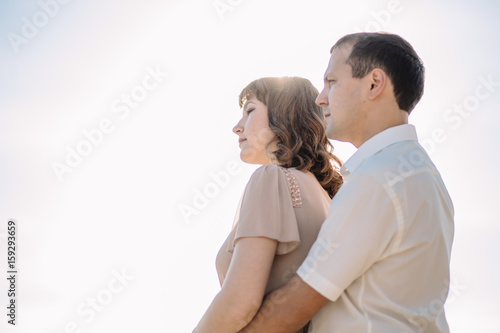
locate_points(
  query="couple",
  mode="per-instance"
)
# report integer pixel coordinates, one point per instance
(319, 247)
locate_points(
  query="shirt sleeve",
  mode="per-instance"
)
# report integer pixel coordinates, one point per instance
(361, 225)
(267, 211)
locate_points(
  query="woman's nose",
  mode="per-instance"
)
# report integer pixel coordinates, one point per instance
(238, 128)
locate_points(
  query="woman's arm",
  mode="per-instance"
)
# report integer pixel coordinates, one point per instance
(243, 289)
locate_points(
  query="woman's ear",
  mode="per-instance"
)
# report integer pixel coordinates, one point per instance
(378, 80)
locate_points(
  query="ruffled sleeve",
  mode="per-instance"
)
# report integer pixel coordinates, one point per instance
(267, 209)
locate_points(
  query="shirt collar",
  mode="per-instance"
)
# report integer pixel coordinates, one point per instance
(378, 142)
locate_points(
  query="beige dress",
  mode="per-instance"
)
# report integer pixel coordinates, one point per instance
(283, 204)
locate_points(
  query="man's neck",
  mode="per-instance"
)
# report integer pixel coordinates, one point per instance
(379, 126)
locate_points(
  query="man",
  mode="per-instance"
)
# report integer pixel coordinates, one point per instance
(381, 260)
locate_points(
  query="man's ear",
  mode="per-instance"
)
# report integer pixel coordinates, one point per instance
(378, 80)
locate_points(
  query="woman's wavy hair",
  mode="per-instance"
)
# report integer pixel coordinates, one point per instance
(298, 124)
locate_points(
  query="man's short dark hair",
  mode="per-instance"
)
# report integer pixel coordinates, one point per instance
(395, 56)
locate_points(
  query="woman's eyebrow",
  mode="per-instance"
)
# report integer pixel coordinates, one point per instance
(246, 104)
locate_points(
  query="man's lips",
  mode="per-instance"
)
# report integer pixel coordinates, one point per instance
(326, 113)
(241, 140)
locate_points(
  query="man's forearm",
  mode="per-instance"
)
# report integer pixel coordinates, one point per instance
(287, 309)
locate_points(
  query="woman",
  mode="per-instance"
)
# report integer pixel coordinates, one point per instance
(285, 201)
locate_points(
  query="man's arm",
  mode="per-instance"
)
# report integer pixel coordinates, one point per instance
(287, 309)
(339, 256)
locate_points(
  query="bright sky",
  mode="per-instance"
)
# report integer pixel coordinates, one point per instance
(102, 243)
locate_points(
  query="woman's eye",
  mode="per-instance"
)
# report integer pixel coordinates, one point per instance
(250, 110)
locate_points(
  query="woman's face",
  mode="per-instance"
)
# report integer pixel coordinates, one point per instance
(254, 133)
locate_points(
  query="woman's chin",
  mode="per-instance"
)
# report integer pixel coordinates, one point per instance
(250, 156)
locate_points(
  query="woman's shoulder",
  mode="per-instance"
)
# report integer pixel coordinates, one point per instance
(267, 168)
(270, 177)
(272, 172)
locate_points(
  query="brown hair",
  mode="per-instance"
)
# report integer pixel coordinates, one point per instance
(299, 127)
(393, 55)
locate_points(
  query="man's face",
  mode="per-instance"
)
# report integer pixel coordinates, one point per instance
(342, 98)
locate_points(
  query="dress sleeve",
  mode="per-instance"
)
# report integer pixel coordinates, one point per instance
(267, 209)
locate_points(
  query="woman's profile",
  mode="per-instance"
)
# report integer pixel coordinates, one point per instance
(284, 203)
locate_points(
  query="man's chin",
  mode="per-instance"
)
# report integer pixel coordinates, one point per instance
(330, 132)
(334, 135)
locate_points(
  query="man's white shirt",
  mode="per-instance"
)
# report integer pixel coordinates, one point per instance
(382, 255)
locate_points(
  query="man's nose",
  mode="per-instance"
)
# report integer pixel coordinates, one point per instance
(322, 99)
